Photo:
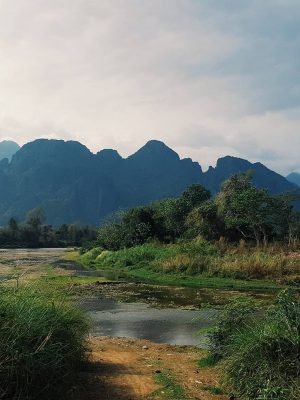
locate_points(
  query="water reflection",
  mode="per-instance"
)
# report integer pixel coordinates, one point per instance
(137, 320)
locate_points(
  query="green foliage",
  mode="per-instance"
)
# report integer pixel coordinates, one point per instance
(133, 257)
(253, 213)
(163, 221)
(260, 352)
(194, 195)
(240, 211)
(207, 362)
(234, 316)
(36, 233)
(42, 343)
(87, 245)
(204, 221)
(91, 255)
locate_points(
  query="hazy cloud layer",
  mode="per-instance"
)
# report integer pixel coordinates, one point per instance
(209, 77)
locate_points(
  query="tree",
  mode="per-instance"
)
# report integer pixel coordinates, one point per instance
(168, 219)
(13, 224)
(193, 197)
(34, 221)
(253, 212)
(205, 221)
(35, 218)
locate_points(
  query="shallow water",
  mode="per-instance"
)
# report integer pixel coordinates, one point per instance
(161, 314)
(138, 320)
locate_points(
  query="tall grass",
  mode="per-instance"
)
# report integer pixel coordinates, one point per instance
(42, 343)
(201, 257)
(260, 351)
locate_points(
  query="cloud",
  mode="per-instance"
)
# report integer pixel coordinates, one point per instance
(209, 78)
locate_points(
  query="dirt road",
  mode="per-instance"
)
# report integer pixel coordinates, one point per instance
(128, 369)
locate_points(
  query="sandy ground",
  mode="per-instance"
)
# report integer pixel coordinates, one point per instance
(126, 369)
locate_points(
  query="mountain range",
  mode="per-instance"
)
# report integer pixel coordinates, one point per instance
(72, 184)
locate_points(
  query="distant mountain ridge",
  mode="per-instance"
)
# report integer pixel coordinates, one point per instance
(7, 149)
(294, 177)
(72, 184)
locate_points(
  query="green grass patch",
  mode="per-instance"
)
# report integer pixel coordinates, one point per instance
(214, 390)
(207, 362)
(71, 255)
(194, 264)
(42, 344)
(170, 390)
(67, 280)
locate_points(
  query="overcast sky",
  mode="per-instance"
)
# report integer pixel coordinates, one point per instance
(208, 77)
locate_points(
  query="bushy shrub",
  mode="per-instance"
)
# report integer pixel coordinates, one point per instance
(233, 318)
(261, 354)
(91, 255)
(42, 342)
(199, 247)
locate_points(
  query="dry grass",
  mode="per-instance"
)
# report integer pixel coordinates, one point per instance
(254, 265)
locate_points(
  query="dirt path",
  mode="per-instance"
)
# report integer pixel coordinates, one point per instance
(127, 369)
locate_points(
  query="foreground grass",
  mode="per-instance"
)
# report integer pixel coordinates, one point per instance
(200, 264)
(259, 350)
(42, 343)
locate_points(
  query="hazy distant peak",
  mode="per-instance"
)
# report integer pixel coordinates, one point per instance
(9, 143)
(294, 177)
(8, 148)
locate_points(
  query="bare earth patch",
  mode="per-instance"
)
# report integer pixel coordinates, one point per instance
(126, 369)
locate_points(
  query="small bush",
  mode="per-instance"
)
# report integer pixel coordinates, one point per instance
(91, 255)
(42, 342)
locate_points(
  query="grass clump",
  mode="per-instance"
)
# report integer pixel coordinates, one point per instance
(91, 255)
(42, 343)
(259, 350)
(170, 388)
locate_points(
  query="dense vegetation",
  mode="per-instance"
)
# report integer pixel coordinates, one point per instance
(42, 343)
(35, 233)
(239, 212)
(242, 234)
(259, 350)
(197, 259)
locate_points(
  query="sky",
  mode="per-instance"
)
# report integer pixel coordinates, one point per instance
(208, 77)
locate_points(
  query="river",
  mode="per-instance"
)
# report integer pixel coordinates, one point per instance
(161, 314)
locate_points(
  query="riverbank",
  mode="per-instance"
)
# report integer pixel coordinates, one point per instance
(199, 264)
(128, 369)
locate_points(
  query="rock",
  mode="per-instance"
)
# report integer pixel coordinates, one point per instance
(145, 347)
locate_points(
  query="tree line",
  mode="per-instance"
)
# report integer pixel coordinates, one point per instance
(240, 211)
(34, 232)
